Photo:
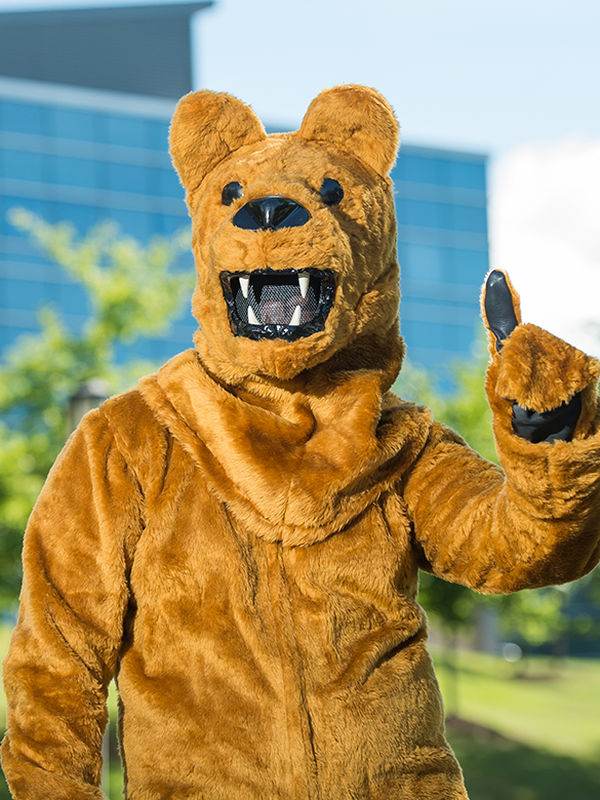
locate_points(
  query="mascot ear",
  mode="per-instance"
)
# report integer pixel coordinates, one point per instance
(206, 128)
(356, 119)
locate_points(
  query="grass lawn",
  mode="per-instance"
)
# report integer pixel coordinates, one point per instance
(529, 731)
(521, 732)
(540, 702)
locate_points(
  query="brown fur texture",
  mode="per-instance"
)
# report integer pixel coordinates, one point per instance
(239, 538)
(356, 239)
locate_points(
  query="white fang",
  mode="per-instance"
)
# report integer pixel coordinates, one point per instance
(303, 281)
(252, 317)
(295, 320)
(244, 284)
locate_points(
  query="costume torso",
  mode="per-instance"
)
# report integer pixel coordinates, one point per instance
(267, 669)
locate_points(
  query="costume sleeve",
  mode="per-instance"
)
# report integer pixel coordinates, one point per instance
(77, 549)
(536, 521)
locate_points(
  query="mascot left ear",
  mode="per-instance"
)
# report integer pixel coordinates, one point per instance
(356, 119)
(206, 128)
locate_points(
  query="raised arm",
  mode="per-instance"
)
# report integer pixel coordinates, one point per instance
(63, 653)
(536, 521)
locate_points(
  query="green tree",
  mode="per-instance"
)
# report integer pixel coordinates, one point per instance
(131, 291)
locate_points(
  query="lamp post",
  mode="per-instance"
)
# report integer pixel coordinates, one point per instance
(89, 395)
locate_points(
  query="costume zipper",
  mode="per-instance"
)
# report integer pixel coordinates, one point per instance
(304, 782)
(304, 711)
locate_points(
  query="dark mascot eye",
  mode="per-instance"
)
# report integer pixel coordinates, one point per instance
(331, 192)
(231, 192)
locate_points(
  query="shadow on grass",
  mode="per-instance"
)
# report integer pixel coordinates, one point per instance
(497, 768)
(4, 793)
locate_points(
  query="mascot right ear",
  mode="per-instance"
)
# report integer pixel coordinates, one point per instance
(356, 119)
(206, 128)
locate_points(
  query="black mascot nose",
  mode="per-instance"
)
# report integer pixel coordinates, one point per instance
(270, 213)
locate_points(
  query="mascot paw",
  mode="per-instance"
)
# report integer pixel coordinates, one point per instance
(542, 376)
(547, 426)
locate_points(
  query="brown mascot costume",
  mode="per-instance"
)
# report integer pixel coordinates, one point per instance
(238, 539)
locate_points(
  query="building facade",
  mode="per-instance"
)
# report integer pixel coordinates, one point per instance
(441, 208)
(84, 154)
(81, 156)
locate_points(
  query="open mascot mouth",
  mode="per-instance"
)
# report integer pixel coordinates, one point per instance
(278, 304)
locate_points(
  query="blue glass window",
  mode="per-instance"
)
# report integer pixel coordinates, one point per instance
(70, 123)
(419, 213)
(69, 297)
(453, 171)
(8, 334)
(23, 117)
(469, 266)
(440, 215)
(122, 130)
(70, 171)
(119, 177)
(423, 334)
(168, 184)
(22, 295)
(423, 262)
(81, 216)
(157, 135)
(6, 228)
(463, 336)
(415, 168)
(466, 174)
(446, 216)
(169, 223)
(460, 173)
(133, 223)
(457, 340)
(471, 219)
(21, 165)
(17, 265)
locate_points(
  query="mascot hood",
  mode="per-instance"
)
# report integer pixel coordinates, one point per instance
(293, 235)
(284, 403)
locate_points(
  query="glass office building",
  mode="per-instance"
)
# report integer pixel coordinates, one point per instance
(86, 155)
(81, 156)
(441, 207)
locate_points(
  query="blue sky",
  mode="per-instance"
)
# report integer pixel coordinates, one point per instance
(484, 75)
(517, 79)
(464, 73)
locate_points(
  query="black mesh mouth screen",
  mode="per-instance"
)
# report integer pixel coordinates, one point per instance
(278, 304)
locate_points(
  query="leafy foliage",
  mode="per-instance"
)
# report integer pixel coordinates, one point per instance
(131, 291)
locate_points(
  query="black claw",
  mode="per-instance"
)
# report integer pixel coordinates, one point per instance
(499, 309)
